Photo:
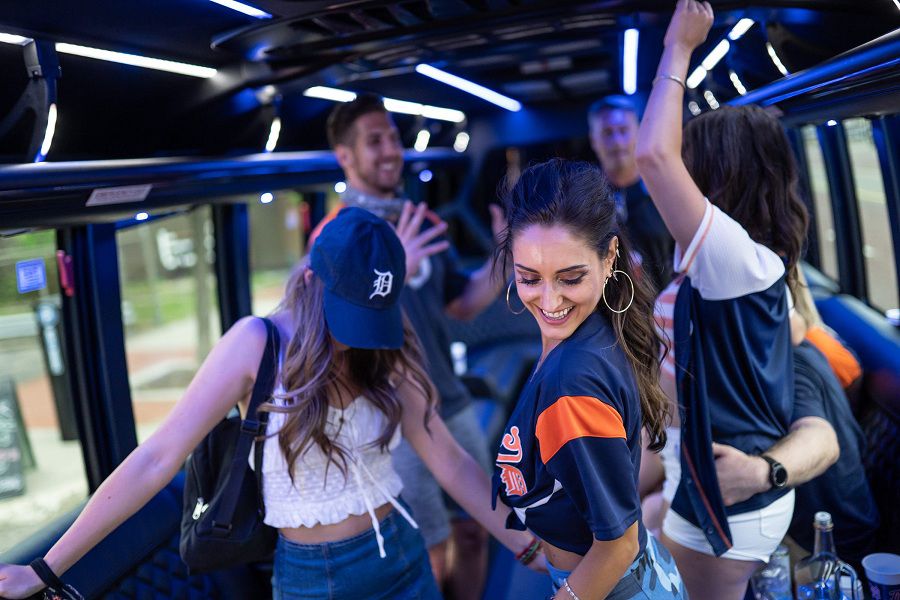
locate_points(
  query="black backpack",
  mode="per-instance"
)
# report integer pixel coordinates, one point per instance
(222, 515)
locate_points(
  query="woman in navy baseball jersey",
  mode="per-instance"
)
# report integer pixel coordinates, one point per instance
(570, 454)
(729, 198)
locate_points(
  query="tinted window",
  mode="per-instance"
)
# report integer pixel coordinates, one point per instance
(878, 250)
(821, 201)
(42, 471)
(169, 309)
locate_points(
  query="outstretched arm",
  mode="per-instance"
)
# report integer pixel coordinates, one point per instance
(658, 151)
(455, 470)
(225, 379)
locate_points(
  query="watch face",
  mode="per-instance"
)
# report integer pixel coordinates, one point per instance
(779, 475)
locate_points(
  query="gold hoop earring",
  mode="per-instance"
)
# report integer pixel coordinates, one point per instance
(603, 294)
(508, 305)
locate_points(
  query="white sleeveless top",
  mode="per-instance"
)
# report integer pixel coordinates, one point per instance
(314, 499)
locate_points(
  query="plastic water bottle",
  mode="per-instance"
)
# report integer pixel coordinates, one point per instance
(817, 577)
(773, 581)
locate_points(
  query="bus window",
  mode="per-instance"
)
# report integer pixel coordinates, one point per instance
(821, 201)
(169, 309)
(42, 473)
(276, 245)
(874, 222)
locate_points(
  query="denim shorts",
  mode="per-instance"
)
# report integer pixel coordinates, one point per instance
(352, 569)
(652, 576)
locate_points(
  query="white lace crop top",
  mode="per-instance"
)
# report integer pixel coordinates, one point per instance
(312, 499)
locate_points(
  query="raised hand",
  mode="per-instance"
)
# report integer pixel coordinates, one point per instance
(690, 24)
(18, 582)
(417, 243)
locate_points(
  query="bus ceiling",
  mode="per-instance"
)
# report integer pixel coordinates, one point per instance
(202, 78)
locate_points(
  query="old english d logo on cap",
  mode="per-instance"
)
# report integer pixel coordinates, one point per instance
(383, 284)
(361, 261)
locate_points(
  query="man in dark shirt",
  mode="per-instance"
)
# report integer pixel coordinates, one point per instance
(367, 145)
(843, 489)
(823, 480)
(613, 126)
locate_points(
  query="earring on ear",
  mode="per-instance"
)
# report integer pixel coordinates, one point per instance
(603, 293)
(508, 305)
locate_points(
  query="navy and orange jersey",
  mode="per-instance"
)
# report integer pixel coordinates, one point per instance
(570, 454)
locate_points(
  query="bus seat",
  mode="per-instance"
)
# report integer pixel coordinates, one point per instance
(877, 343)
(140, 559)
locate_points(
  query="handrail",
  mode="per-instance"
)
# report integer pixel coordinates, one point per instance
(33, 195)
(104, 173)
(878, 55)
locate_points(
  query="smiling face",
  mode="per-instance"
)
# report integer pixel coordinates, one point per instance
(559, 278)
(373, 158)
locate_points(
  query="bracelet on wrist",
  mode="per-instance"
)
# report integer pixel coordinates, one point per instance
(674, 78)
(46, 574)
(530, 552)
(57, 589)
(568, 589)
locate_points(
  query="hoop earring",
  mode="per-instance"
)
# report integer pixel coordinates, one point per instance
(603, 294)
(508, 305)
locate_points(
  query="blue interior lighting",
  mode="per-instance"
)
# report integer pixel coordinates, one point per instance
(469, 87)
(251, 11)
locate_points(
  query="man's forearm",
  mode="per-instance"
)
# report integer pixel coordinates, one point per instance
(807, 451)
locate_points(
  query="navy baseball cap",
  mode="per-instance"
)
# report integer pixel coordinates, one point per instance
(362, 263)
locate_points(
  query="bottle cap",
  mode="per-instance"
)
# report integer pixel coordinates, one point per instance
(822, 519)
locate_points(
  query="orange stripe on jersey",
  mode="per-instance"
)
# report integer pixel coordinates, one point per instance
(573, 417)
(325, 221)
(687, 266)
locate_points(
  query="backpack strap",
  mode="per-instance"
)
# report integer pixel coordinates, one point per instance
(252, 426)
(262, 392)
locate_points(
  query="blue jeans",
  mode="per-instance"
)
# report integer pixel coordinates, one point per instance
(352, 569)
(652, 576)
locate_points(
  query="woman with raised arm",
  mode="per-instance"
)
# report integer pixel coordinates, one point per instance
(729, 198)
(571, 451)
(350, 380)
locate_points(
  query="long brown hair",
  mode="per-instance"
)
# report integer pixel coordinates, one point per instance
(313, 370)
(576, 196)
(740, 158)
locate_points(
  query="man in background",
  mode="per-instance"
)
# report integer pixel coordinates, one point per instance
(613, 125)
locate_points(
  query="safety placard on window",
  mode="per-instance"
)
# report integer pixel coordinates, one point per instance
(31, 275)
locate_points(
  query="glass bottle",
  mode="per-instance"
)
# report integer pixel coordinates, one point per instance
(817, 577)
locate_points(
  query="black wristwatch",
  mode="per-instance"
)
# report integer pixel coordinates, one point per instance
(778, 475)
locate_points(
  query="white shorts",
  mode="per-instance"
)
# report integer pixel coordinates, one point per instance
(755, 534)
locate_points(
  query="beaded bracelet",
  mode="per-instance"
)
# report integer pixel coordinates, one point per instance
(572, 594)
(674, 78)
(530, 552)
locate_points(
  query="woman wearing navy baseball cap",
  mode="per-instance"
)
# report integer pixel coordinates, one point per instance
(350, 380)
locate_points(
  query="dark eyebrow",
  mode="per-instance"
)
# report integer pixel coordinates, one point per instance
(566, 270)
